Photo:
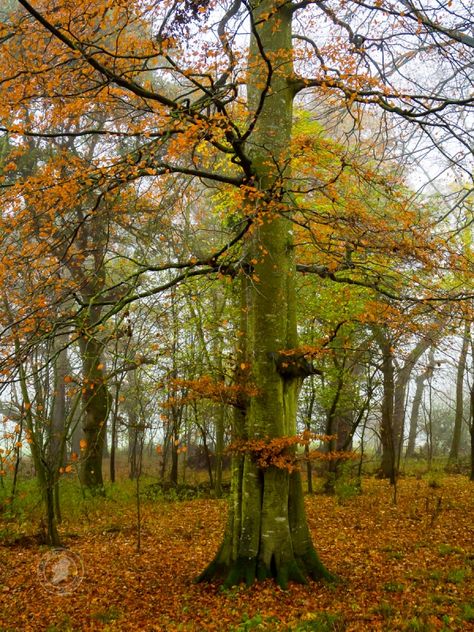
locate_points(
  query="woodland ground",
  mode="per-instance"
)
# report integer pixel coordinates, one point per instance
(403, 567)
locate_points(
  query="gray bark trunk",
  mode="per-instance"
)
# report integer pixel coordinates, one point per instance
(459, 413)
(415, 409)
(267, 534)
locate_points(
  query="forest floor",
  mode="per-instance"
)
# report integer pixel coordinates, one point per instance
(408, 566)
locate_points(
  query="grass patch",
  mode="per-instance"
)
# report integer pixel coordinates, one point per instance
(419, 624)
(393, 554)
(448, 549)
(107, 616)
(321, 622)
(442, 599)
(457, 575)
(467, 612)
(394, 587)
(257, 622)
(63, 626)
(385, 610)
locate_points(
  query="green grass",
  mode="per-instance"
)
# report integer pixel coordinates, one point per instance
(393, 554)
(457, 575)
(107, 616)
(467, 612)
(447, 549)
(393, 587)
(257, 622)
(418, 624)
(385, 610)
(22, 517)
(322, 622)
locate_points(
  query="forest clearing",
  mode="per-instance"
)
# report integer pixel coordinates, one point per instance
(406, 567)
(236, 315)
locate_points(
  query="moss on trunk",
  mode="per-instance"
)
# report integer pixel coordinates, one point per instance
(267, 534)
(273, 539)
(96, 406)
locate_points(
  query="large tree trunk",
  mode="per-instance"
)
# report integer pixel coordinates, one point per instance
(267, 534)
(96, 406)
(471, 415)
(387, 435)
(459, 413)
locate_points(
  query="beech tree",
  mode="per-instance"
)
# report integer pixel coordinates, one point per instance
(420, 380)
(207, 91)
(471, 415)
(395, 384)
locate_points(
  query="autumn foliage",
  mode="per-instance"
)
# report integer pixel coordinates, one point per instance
(280, 452)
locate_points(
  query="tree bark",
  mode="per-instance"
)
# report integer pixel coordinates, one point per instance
(471, 415)
(96, 406)
(387, 435)
(394, 400)
(59, 422)
(220, 426)
(415, 408)
(332, 422)
(459, 413)
(136, 438)
(174, 452)
(471, 432)
(113, 436)
(267, 533)
(308, 418)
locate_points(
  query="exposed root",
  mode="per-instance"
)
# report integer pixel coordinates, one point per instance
(247, 570)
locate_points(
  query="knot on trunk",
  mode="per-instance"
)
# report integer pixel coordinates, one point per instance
(293, 365)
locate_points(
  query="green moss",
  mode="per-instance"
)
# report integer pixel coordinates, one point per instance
(467, 612)
(321, 622)
(393, 587)
(419, 624)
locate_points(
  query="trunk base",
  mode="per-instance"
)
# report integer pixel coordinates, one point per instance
(281, 569)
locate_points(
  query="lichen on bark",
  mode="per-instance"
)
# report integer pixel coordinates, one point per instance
(267, 535)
